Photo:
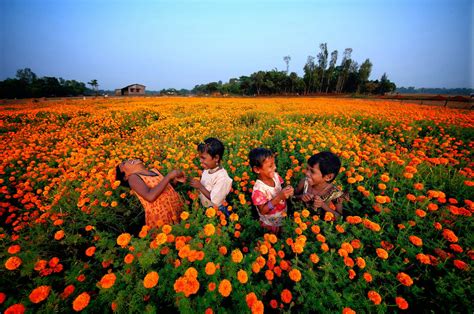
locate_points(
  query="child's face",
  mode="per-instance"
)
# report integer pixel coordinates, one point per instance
(314, 175)
(130, 166)
(268, 168)
(207, 161)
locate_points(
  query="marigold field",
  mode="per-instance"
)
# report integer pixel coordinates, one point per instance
(72, 240)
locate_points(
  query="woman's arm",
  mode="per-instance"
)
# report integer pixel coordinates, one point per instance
(150, 194)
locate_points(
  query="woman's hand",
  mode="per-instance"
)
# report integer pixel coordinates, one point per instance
(179, 176)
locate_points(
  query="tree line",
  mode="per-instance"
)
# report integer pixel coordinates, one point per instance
(27, 84)
(322, 74)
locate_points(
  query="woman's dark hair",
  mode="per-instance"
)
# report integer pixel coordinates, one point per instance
(258, 155)
(212, 146)
(120, 176)
(328, 163)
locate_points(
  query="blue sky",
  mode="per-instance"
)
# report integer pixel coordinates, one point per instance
(163, 44)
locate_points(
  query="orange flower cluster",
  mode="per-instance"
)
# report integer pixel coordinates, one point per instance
(187, 284)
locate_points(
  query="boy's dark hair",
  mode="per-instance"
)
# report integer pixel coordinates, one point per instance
(328, 163)
(212, 146)
(120, 176)
(258, 155)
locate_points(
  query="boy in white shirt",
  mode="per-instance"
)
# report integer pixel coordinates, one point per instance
(215, 183)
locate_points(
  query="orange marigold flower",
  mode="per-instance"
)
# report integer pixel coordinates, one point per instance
(184, 215)
(286, 296)
(151, 280)
(13, 263)
(166, 229)
(416, 240)
(39, 294)
(324, 247)
(210, 212)
(237, 256)
(374, 297)
(356, 244)
(59, 235)
(223, 250)
(128, 259)
(90, 251)
(450, 236)
(81, 302)
(352, 274)
(257, 307)
(424, 259)
(242, 276)
(314, 258)
(460, 264)
(209, 230)
(3, 297)
(14, 249)
(360, 262)
(404, 279)
(420, 213)
(67, 291)
(401, 303)
(385, 178)
(124, 239)
(17, 308)
(210, 268)
(250, 299)
(295, 275)
(367, 277)
(211, 286)
(382, 253)
(107, 281)
(456, 248)
(225, 288)
(348, 310)
(348, 247)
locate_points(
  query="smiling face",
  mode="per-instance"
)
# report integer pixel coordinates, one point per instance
(207, 161)
(314, 175)
(267, 170)
(130, 166)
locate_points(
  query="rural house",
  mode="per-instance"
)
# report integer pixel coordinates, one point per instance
(134, 89)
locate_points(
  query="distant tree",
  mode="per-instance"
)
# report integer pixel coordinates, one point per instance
(344, 70)
(258, 80)
(385, 86)
(287, 60)
(309, 73)
(330, 71)
(364, 73)
(322, 62)
(95, 85)
(26, 75)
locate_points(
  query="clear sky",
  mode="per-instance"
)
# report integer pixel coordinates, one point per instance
(177, 43)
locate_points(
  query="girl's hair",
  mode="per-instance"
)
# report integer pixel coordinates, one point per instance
(212, 146)
(120, 176)
(258, 155)
(328, 163)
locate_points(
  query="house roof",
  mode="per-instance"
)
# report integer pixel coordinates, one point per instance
(134, 84)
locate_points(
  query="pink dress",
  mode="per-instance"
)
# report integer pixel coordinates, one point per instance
(262, 194)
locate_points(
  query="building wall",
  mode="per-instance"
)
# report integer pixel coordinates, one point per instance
(135, 89)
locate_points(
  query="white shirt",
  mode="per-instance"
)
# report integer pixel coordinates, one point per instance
(218, 183)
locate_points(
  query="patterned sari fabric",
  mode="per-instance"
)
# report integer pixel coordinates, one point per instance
(166, 208)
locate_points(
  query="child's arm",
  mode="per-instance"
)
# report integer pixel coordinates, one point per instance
(151, 194)
(319, 203)
(284, 194)
(198, 185)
